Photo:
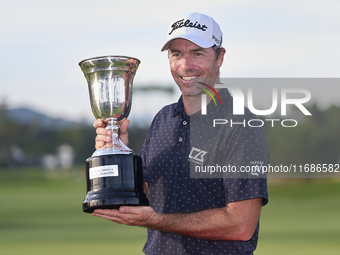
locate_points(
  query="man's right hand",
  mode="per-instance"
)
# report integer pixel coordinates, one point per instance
(104, 136)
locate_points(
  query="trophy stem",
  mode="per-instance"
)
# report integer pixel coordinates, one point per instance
(117, 142)
(118, 147)
(112, 125)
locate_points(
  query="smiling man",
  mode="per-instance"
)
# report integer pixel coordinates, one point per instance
(195, 215)
(192, 65)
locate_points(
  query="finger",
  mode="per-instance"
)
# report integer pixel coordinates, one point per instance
(103, 132)
(123, 132)
(111, 214)
(121, 121)
(103, 141)
(99, 123)
(105, 138)
(109, 217)
(123, 125)
(99, 145)
(130, 209)
(107, 212)
(102, 145)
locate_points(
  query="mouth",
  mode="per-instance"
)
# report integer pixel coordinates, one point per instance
(189, 78)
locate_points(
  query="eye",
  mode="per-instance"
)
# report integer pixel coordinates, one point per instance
(175, 54)
(198, 54)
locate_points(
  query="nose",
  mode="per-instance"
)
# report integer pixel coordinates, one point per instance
(187, 63)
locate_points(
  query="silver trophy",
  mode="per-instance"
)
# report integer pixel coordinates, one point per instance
(114, 175)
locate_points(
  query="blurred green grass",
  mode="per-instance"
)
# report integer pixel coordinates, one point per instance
(40, 213)
(302, 217)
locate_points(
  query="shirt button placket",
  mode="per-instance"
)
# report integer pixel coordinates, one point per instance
(182, 133)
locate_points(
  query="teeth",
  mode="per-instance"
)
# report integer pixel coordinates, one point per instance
(189, 78)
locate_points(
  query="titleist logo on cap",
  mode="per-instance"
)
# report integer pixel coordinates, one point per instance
(187, 23)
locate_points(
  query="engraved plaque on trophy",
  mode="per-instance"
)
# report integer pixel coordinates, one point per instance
(114, 176)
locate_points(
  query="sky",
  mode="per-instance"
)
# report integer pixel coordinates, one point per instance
(42, 42)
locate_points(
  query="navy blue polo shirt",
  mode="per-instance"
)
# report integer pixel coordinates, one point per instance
(177, 142)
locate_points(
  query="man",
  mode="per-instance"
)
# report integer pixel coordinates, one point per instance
(195, 215)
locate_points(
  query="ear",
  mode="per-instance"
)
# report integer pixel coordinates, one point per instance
(221, 57)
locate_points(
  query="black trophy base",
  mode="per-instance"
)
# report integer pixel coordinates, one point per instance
(113, 181)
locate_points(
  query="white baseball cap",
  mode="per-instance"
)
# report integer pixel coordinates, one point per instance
(198, 28)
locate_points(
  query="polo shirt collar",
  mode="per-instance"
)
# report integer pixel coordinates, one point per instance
(179, 109)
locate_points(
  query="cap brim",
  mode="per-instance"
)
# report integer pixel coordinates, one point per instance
(192, 38)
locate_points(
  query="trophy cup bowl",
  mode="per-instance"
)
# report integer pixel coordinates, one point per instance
(114, 176)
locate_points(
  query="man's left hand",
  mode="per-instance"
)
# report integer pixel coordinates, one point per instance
(128, 215)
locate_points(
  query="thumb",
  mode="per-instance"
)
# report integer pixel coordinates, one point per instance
(123, 133)
(123, 125)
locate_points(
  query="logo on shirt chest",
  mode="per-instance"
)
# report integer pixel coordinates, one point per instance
(197, 155)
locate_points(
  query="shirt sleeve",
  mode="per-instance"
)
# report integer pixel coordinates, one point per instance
(246, 147)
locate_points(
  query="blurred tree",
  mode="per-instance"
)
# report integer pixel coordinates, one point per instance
(316, 138)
